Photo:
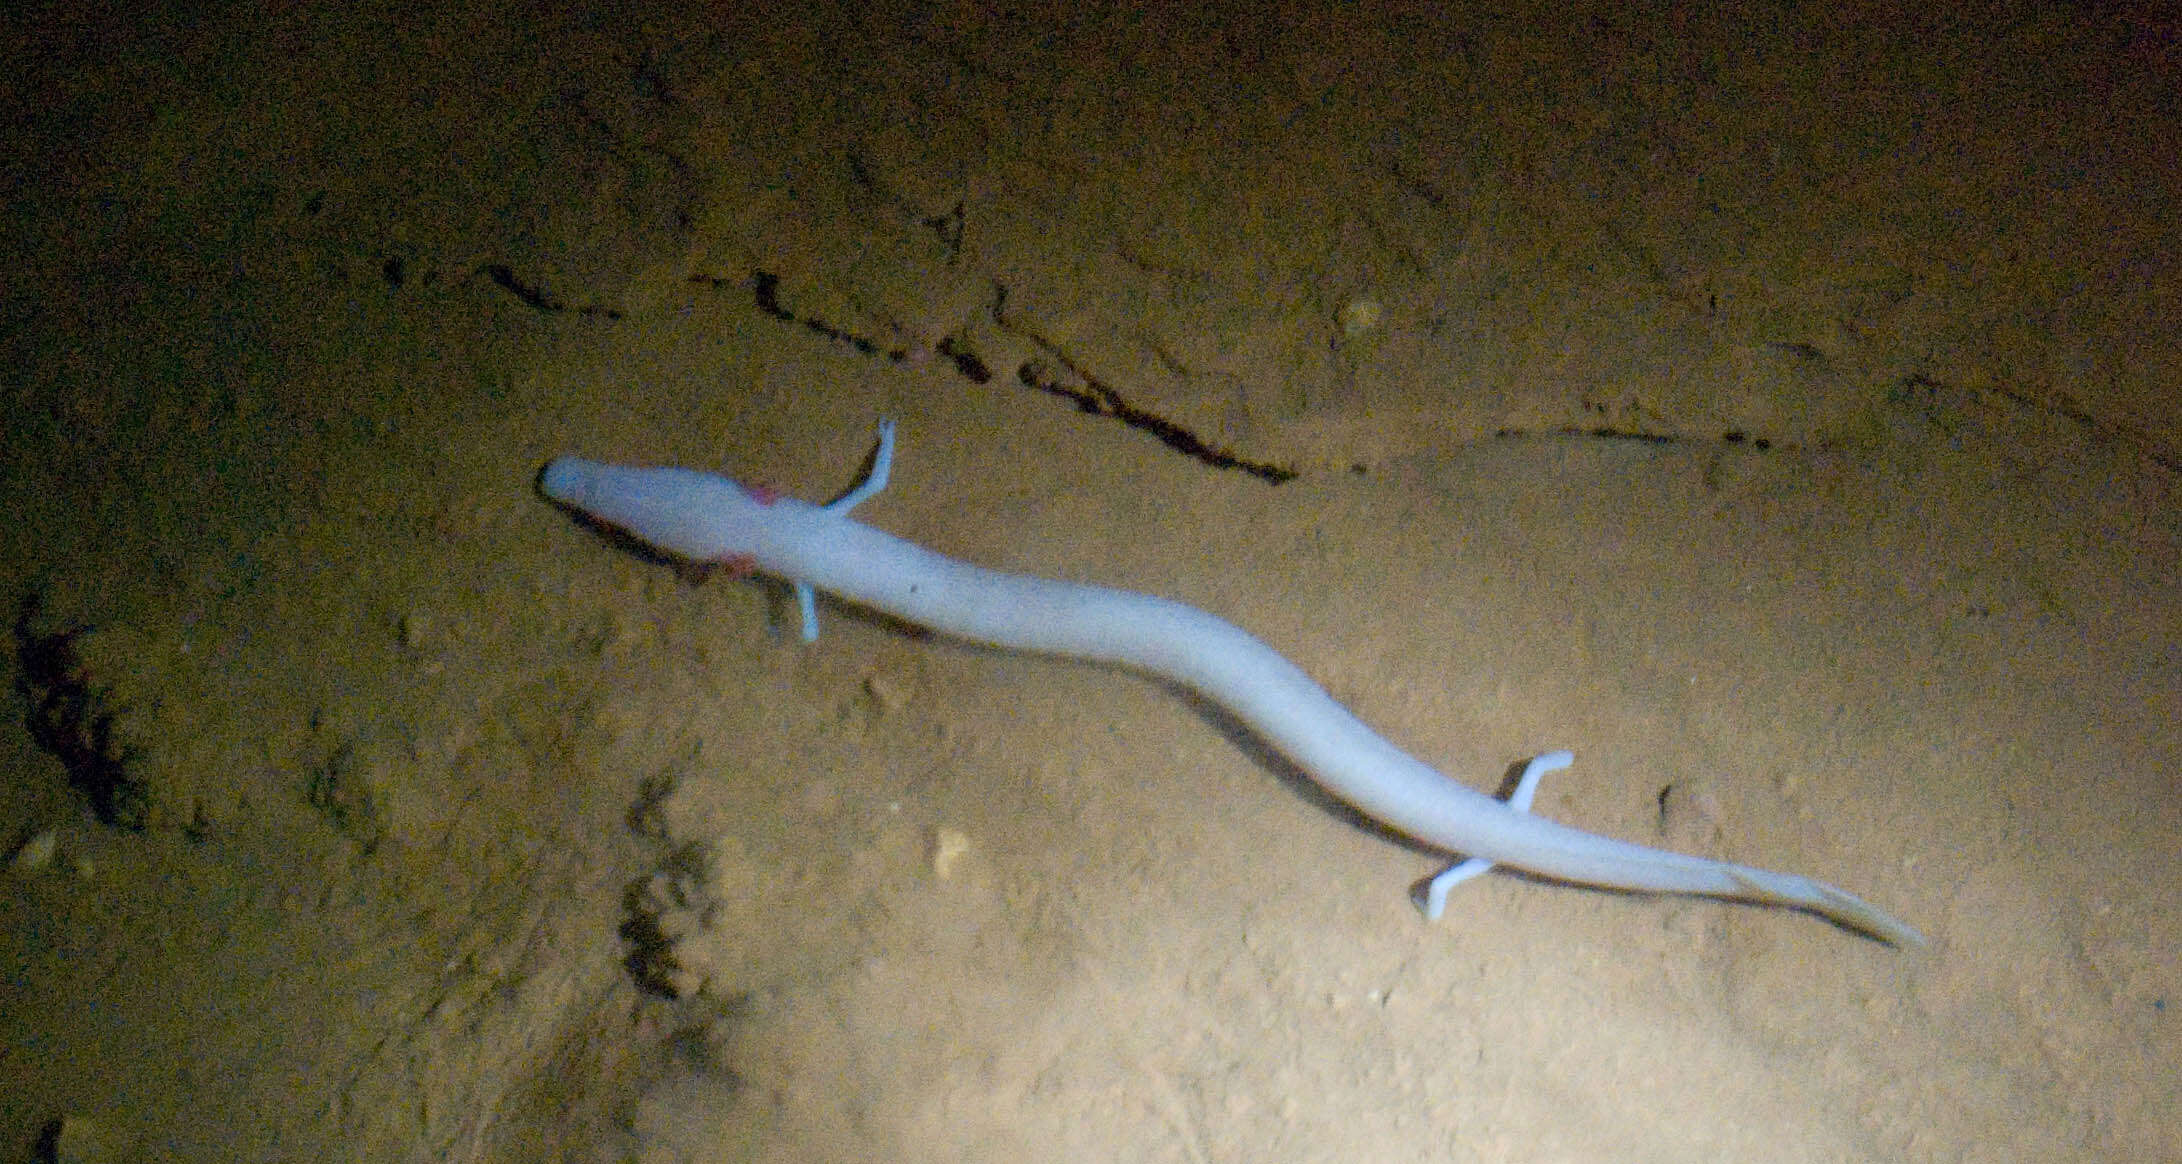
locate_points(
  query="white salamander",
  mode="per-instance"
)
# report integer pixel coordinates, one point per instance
(705, 518)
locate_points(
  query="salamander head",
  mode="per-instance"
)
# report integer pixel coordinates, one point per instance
(697, 517)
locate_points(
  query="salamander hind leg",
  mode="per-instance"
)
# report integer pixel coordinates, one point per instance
(1431, 895)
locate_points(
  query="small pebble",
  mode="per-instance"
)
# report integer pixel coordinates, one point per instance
(37, 852)
(80, 1141)
(1360, 317)
(947, 849)
(415, 628)
(888, 692)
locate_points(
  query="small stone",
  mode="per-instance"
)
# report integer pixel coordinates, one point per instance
(948, 848)
(37, 852)
(415, 628)
(887, 692)
(76, 1140)
(1689, 818)
(1360, 317)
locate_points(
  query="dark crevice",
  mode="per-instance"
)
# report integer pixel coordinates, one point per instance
(1088, 393)
(71, 720)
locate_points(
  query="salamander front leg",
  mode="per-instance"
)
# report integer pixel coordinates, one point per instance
(882, 465)
(1433, 898)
